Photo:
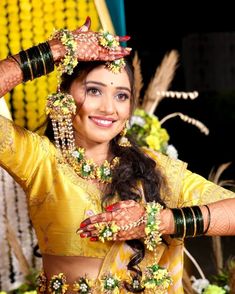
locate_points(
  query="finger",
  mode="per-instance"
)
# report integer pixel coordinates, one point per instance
(101, 217)
(86, 229)
(86, 26)
(121, 205)
(123, 38)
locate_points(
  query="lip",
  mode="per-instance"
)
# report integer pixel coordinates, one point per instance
(101, 121)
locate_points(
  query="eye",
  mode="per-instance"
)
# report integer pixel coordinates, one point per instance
(93, 91)
(122, 96)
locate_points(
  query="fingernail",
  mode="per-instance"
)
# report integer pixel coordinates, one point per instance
(126, 38)
(109, 208)
(88, 21)
(93, 239)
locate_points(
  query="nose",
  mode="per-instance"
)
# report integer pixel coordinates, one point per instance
(107, 104)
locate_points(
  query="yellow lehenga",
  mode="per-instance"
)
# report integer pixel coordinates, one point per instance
(59, 200)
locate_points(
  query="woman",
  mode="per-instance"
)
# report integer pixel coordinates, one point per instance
(98, 203)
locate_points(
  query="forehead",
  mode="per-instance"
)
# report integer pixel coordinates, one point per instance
(103, 75)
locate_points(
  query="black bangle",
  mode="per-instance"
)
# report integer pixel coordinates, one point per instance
(180, 223)
(209, 220)
(45, 49)
(11, 56)
(199, 219)
(191, 226)
(25, 66)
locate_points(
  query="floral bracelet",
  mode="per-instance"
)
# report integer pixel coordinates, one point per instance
(69, 61)
(153, 235)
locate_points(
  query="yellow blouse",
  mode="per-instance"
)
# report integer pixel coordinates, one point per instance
(59, 200)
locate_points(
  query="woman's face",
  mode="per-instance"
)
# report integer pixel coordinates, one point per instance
(106, 105)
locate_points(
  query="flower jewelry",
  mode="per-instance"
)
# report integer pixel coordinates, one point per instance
(41, 283)
(87, 169)
(107, 231)
(60, 104)
(153, 236)
(108, 41)
(83, 285)
(58, 284)
(110, 284)
(69, 61)
(156, 279)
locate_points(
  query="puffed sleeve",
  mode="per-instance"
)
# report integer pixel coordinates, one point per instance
(185, 187)
(196, 190)
(21, 151)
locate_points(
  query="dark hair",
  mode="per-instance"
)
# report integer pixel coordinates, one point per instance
(135, 168)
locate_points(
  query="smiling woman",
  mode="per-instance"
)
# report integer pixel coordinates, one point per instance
(108, 215)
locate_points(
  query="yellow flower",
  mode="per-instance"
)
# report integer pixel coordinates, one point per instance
(153, 142)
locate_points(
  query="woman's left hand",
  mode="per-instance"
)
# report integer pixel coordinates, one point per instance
(122, 214)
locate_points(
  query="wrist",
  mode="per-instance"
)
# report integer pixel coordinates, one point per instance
(57, 48)
(167, 225)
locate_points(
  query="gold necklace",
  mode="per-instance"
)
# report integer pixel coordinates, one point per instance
(87, 169)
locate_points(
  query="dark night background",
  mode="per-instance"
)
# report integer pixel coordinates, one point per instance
(155, 29)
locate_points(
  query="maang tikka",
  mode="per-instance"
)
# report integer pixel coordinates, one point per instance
(123, 140)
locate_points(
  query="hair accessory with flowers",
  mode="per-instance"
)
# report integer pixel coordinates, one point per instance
(156, 279)
(69, 61)
(109, 41)
(107, 231)
(58, 284)
(110, 284)
(83, 285)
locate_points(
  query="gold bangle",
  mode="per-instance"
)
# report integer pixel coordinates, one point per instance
(29, 63)
(184, 220)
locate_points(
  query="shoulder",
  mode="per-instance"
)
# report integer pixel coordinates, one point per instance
(164, 161)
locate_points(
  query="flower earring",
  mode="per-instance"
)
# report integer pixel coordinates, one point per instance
(123, 140)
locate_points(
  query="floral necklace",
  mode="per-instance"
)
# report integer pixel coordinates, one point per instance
(87, 169)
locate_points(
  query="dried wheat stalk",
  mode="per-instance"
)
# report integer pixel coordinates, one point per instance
(16, 247)
(187, 119)
(161, 81)
(137, 77)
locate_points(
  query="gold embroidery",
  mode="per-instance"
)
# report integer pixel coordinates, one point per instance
(6, 131)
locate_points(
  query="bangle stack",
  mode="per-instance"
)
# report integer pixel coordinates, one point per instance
(36, 61)
(189, 222)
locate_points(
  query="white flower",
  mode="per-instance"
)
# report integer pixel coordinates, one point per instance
(75, 154)
(87, 168)
(199, 285)
(109, 37)
(137, 120)
(172, 152)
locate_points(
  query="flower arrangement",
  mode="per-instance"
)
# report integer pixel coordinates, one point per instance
(147, 131)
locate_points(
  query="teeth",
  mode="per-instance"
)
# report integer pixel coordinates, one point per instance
(103, 122)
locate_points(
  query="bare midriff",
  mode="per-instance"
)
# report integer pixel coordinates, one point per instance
(72, 267)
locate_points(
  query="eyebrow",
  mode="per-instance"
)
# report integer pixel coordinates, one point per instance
(104, 85)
